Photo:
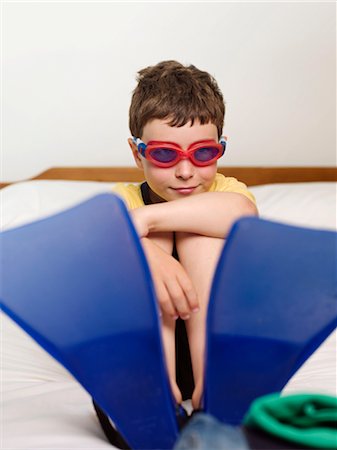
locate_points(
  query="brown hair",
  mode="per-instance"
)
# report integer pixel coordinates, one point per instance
(178, 93)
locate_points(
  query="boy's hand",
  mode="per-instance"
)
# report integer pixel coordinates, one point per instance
(175, 292)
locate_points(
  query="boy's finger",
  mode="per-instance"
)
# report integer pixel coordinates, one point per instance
(190, 294)
(178, 299)
(165, 303)
(168, 308)
(192, 299)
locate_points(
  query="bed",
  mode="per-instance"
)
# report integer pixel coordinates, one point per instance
(43, 406)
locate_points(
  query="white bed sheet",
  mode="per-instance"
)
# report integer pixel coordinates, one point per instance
(43, 407)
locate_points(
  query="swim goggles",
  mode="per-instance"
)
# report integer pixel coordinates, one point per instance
(167, 154)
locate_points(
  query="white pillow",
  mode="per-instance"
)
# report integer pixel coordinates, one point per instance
(31, 200)
(303, 204)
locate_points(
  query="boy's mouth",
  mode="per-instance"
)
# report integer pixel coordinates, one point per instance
(185, 190)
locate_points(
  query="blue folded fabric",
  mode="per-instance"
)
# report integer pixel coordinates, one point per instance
(204, 432)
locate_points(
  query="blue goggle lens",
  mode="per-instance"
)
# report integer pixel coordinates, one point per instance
(164, 155)
(206, 154)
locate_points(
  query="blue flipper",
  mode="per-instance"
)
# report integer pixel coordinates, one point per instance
(273, 302)
(79, 284)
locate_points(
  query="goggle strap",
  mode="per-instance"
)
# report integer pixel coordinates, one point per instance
(140, 145)
(223, 142)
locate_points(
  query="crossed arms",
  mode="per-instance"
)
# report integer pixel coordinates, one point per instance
(208, 214)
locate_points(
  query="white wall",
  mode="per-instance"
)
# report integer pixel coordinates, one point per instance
(69, 69)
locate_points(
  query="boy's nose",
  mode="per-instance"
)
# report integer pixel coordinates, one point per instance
(184, 169)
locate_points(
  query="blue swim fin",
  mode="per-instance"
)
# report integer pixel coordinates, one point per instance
(273, 302)
(79, 284)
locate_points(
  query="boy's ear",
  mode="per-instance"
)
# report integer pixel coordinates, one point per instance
(136, 155)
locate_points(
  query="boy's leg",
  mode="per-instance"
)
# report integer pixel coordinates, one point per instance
(199, 256)
(165, 241)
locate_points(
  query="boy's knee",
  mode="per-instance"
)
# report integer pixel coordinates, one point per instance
(196, 244)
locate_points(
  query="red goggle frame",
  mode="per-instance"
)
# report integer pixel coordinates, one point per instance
(167, 154)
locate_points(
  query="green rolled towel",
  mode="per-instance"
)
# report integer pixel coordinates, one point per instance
(307, 419)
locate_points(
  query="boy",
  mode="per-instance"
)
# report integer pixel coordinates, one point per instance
(184, 210)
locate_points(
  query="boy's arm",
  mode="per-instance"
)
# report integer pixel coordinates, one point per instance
(209, 214)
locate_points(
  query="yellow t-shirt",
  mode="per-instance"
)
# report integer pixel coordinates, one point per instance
(132, 195)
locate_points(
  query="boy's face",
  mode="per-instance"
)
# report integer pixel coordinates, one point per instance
(184, 178)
